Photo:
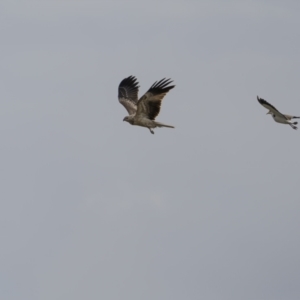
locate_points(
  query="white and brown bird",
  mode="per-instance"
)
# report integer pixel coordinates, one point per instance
(278, 116)
(143, 112)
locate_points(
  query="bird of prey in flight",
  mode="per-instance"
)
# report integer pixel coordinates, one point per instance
(278, 116)
(143, 112)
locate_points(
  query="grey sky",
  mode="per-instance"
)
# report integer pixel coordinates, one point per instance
(94, 208)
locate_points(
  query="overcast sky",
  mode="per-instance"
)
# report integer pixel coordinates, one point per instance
(94, 208)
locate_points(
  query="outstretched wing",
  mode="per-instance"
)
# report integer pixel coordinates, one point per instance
(128, 94)
(149, 105)
(270, 107)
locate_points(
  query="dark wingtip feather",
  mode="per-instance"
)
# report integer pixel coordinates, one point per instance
(161, 86)
(262, 101)
(128, 88)
(129, 81)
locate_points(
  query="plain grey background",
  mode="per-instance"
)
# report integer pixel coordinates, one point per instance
(94, 208)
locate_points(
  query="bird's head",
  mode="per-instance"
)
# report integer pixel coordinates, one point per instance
(128, 119)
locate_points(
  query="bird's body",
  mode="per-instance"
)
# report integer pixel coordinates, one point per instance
(144, 122)
(143, 112)
(282, 120)
(278, 116)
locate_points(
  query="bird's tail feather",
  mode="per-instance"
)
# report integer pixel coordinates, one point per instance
(163, 125)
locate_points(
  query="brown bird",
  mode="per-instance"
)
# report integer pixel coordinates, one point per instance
(143, 112)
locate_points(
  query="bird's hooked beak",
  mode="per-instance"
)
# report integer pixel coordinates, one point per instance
(124, 119)
(269, 112)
